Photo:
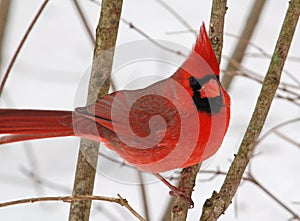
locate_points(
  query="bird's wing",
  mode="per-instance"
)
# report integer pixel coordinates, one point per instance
(135, 111)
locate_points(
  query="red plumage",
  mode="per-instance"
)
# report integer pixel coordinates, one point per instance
(174, 123)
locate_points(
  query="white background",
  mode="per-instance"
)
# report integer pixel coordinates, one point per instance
(47, 75)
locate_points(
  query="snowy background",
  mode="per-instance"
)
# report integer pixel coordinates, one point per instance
(51, 68)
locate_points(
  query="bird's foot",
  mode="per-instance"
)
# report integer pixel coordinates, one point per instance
(185, 197)
(174, 191)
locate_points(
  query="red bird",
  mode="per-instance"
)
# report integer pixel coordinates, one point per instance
(174, 123)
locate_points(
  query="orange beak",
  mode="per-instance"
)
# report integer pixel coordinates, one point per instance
(210, 90)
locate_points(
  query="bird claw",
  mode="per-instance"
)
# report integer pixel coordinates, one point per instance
(186, 198)
(176, 192)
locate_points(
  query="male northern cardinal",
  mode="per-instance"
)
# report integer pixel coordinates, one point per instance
(174, 123)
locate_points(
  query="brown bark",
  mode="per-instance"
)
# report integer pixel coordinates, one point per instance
(215, 206)
(106, 36)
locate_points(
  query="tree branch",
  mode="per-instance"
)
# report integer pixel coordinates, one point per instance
(69, 199)
(219, 8)
(188, 176)
(106, 35)
(219, 202)
(187, 182)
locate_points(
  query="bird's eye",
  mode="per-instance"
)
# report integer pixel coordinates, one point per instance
(195, 85)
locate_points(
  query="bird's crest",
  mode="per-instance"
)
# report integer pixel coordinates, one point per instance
(204, 48)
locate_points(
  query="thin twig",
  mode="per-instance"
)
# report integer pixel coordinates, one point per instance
(43, 181)
(144, 194)
(215, 206)
(69, 199)
(286, 138)
(277, 200)
(277, 127)
(258, 55)
(237, 65)
(177, 16)
(12, 61)
(262, 52)
(55, 186)
(138, 30)
(84, 21)
(239, 51)
(145, 35)
(250, 178)
(124, 202)
(286, 88)
(34, 167)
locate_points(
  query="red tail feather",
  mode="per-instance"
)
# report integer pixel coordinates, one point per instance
(34, 124)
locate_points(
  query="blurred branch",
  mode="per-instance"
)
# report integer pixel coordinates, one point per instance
(219, 202)
(153, 41)
(4, 11)
(177, 16)
(69, 199)
(89, 31)
(84, 21)
(12, 61)
(242, 44)
(143, 193)
(276, 128)
(286, 138)
(261, 53)
(277, 200)
(42, 181)
(106, 35)
(34, 166)
(287, 91)
(188, 176)
(250, 178)
(145, 35)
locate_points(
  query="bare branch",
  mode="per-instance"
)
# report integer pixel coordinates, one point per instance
(186, 184)
(188, 176)
(106, 36)
(138, 30)
(277, 200)
(216, 27)
(219, 202)
(143, 193)
(14, 58)
(124, 202)
(250, 178)
(288, 139)
(69, 199)
(241, 46)
(84, 21)
(42, 181)
(287, 91)
(276, 128)
(177, 16)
